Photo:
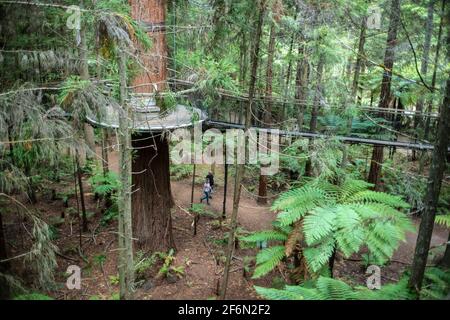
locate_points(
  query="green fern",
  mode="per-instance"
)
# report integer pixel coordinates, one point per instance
(295, 203)
(335, 218)
(276, 294)
(33, 296)
(443, 219)
(267, 259)
(369, 196)
(266, 235)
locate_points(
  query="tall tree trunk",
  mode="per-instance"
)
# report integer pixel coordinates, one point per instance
(225, 188)
(301, 80)
(4, 266)
(88, 134)
(80, 187)
(262, 189)
(282, 114)
(126, 265)
(433, 84)
(84, 74)
(152, 197)
(105, 146)
(241, 167)
(355, 84)
(315, 113)
(418, 122)
(434, 185)
(385, 95)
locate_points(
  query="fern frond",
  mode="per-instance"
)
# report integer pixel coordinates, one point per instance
(317, 257)
(295, 203)
(334, 289)
(319, 224)
(276, 294)
(265, 235)
(350, 233)
(267, 259)
(369, 196)
(350, 186)
(443, 219)
(392, 291)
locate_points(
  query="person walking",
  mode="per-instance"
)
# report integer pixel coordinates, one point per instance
(206, 192)
(210, 177)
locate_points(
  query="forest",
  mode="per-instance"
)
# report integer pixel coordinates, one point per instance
(224, 150)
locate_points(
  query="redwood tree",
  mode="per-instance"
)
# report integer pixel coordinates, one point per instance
(385, 95)
(151, 199)
(262, 189)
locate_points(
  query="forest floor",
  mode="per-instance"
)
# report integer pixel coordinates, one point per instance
(201, 257)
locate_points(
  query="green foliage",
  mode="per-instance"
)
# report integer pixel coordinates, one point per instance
(266, 235)
(114, 280)
(443, 220)
(104, 185)
(267, 259)
(436, 286)
(33, 296)
(342, 218)
(168, 269)
(110, 214)
(143, 263)
(201, 210)
(180, 171)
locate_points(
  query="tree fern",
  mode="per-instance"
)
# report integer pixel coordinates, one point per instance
(267, 259)
(329, 219)
(295, 203)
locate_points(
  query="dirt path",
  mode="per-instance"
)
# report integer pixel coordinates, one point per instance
(251, 216)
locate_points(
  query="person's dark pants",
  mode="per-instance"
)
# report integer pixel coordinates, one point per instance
(205, 196)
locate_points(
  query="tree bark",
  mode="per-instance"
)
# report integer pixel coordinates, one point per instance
(80, 187)
(225, 188)
(262, 189)
(385, 95)
(151, 13)
(418, 122)
(151, 199)
(126, 264)
(434, 185)
(301, 79)
(241, 167)
(433, 84)
(84, 74)
(315, 112)
(282, 114)
(105, 146)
